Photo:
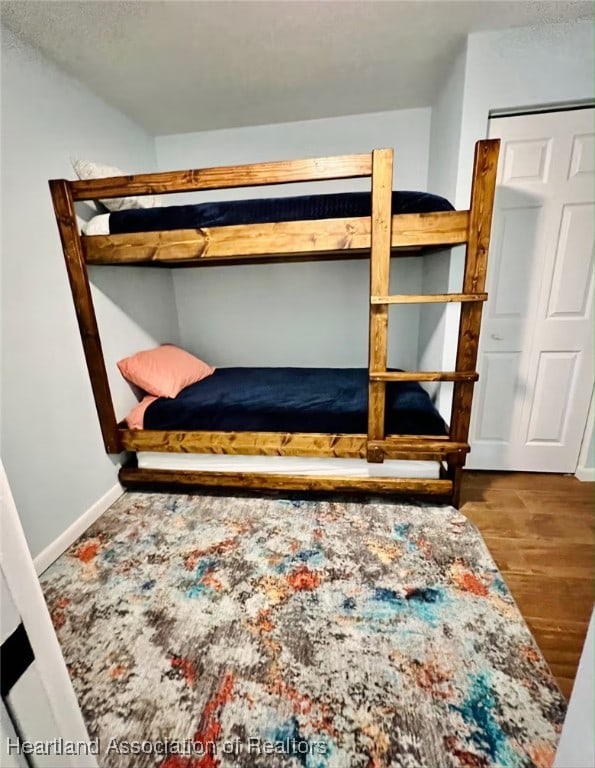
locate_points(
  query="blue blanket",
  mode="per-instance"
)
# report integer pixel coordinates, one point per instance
(309, 207)
(331, 400)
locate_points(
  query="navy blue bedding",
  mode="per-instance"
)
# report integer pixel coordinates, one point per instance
(293, 400)
(308, 207)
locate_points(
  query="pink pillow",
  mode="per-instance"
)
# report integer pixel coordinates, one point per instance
(164, 371)
(136, 417)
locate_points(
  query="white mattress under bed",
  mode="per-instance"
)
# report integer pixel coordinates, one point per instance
(288, 465)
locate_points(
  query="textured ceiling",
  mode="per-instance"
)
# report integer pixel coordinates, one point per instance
(185, 66)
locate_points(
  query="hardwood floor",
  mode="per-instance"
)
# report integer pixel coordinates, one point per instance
(539, 529)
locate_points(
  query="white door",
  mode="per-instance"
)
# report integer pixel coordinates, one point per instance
(38, 701)
(536, 350)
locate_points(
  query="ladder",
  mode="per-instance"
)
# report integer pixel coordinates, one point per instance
(471, 299)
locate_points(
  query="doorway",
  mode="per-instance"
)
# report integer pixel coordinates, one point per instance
(536, 353)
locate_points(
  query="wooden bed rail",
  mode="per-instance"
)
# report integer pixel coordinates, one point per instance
(350, 446)
(225, 177)
(167, 479)
(289, 240)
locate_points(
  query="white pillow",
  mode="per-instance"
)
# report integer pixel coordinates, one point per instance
(86, 170)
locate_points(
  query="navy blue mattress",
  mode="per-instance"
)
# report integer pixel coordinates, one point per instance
(293, 400)
(267, 210)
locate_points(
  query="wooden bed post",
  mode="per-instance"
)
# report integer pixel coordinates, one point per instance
(480, 223)
(85, 313)
(381, 237)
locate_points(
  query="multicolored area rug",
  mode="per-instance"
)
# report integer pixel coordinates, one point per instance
(205, 631)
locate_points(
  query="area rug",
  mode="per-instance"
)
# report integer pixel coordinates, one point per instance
(205, 631)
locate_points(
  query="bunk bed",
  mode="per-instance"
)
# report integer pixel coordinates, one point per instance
(384, 232)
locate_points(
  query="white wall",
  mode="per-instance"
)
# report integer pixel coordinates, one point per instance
(432, 325)
(445, 138)
(51, 443)
(298, 314)
(512, 70)
(518, 68)
(445, 133)
(577, 742)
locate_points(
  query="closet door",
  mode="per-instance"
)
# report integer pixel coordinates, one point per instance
(536, 352)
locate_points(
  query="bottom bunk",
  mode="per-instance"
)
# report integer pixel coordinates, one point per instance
(286, 473)
(289, 429)
(316, 400)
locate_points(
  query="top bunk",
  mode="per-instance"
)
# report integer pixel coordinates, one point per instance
(313, 227)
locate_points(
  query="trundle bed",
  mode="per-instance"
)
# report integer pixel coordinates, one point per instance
(378, 423)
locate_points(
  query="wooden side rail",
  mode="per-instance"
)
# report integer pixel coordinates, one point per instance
(430, 447)
(334, 237)
(225, 177)
(134, 477)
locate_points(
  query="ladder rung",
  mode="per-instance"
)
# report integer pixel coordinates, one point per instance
(441, 447)
(423, 376)
(429, 298)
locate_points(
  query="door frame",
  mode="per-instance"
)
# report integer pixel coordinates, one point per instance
(584, 472)
(23, 584)
(560, 106)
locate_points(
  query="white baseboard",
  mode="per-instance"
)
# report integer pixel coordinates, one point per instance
(585, 474)
(57, 547)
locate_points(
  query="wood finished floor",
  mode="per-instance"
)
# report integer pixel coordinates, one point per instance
(539, 529)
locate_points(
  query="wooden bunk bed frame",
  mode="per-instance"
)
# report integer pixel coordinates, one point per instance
(376, 237)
